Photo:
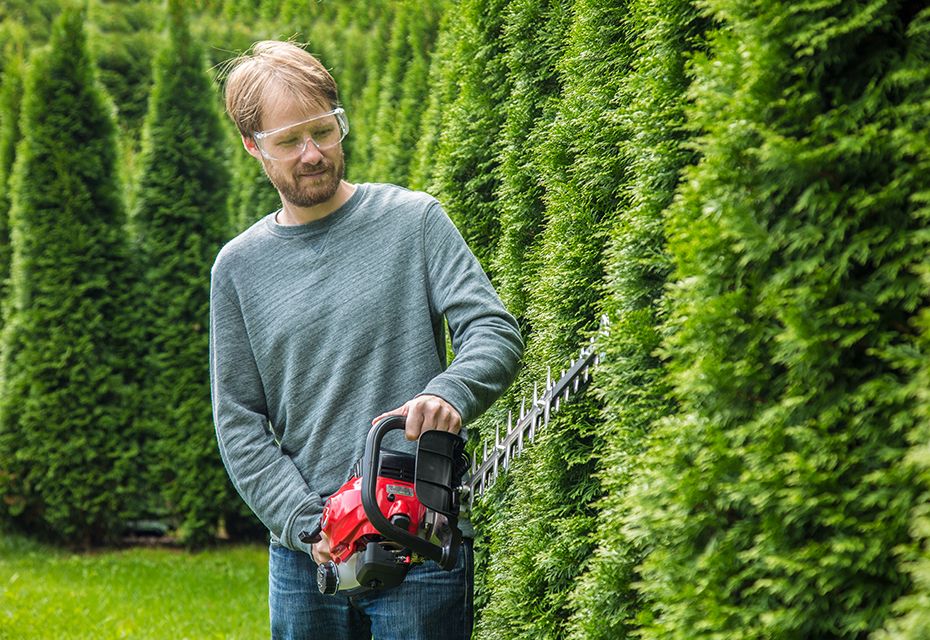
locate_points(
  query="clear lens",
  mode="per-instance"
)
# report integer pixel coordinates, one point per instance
(289, 143)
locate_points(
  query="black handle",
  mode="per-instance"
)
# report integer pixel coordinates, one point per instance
(313, 536)
(445, 556)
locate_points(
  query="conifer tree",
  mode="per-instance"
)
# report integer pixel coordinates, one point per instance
(630, 379)
(911, 619)
(911, 612)
(180, 223)
(552, 515)
(122, 51)
(776, 500)
(11, 85)
(534, 40)
(253, 194)
(472, 128)
(444, 73)
(403, 92)
(363, 109)
(67, 447)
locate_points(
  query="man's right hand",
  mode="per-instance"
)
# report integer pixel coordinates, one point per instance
(320, 550)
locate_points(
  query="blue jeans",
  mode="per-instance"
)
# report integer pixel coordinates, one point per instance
(430, 604)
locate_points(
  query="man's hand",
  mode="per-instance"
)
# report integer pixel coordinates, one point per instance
(320, 550)
(424, 413)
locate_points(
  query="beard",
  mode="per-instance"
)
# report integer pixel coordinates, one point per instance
(308, 185)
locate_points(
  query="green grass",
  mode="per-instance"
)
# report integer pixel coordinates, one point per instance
(133, 593)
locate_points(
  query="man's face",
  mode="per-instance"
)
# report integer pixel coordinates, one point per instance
(314, 176)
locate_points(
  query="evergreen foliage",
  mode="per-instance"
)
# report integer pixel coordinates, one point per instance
(472, 127)
(912, 81)
(180, 223)
(11, 86)
(125, 41)
(67, 447)
(403, 90)
(741, 187)
(534, 40)
(631, 378)
(253, 194)
(363, 109)
(581, 172)
(444, 74)
(776, 499)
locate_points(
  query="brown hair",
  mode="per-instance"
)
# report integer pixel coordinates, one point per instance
(269, 65)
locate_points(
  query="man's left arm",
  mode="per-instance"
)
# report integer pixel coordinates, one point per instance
(485, 337)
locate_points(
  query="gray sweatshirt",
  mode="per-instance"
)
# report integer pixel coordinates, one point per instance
(318, 328)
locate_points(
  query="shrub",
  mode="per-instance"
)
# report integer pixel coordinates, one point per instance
(180, 222)
(67, 446)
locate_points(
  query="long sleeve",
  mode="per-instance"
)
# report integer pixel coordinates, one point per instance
(265, 477)
(485, 337)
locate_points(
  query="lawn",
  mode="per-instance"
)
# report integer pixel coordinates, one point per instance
(133, 593)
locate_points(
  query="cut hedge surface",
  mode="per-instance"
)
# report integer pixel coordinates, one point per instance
(776, 499)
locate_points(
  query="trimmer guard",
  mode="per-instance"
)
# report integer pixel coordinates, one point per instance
(440, 465)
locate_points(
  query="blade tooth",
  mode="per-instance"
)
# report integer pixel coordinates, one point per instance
(535, 394)
(576, 383)
(556, 408)
(522, 407)
(509, 422)
(485, 457)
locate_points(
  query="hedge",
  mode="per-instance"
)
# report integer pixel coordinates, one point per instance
(742, 189)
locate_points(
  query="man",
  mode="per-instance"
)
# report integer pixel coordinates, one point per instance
(325, 316)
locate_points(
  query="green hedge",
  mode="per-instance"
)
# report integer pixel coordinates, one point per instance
(631, 383)
(541, 550)
(776, 497)
(741, 187)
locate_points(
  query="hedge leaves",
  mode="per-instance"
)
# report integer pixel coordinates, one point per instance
(67, 447)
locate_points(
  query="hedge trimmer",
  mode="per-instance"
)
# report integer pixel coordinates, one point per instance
(395, 510)
(398, 509)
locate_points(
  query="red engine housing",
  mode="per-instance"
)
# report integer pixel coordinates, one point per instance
(346, 525)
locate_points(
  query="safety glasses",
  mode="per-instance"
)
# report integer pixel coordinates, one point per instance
(325, 131)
